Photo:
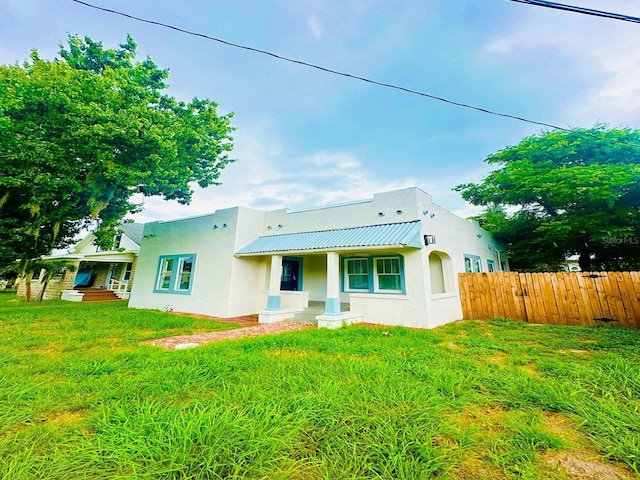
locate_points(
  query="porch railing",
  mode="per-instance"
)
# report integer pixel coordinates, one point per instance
(121, 289)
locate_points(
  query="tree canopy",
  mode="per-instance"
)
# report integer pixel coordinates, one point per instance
(565, 193)
(80, 135)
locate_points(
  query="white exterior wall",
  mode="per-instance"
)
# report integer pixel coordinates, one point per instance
(222, 285)
(455, 237)
(408, 309)
(355, 214)
(245, 281)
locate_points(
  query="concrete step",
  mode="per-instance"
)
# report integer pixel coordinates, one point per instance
(306, 317)
(315, 308)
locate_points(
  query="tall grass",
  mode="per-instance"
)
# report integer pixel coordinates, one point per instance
(81, 397)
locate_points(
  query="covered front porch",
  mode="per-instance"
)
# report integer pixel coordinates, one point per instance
(332, 274)
(282, 302)
(102, 270)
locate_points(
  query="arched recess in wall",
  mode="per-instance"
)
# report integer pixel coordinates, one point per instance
(441, 273)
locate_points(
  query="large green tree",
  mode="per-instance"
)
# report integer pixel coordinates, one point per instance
(565, 193)
(82, 134)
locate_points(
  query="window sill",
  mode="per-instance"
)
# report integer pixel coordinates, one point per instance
(173, 292)
(441, 296)
(385, 296)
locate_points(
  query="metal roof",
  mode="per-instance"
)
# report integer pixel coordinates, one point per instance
(390, 234)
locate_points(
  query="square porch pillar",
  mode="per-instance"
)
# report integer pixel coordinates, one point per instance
(332, 302)
(274, 300)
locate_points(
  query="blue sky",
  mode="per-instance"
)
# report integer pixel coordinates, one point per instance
(306, 138)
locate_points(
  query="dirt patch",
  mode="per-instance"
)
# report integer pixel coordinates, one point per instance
(566, 429)
(582, 466)
(65, 418)
(498, 358)
(288, 353)
(474, 469)
(51, 350)
(182, 342)
(531, 369)
(245, 321)
(488, 418)
(583, 462)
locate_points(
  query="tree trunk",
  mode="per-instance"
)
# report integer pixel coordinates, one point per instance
(27, 288)
(585, 262)
(45, 282)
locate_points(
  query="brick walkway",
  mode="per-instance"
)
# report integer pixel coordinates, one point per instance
(182, 342)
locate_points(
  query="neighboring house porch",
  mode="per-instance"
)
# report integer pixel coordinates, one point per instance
(94, 268)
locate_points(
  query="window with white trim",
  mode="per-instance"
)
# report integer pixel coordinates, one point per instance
(387, 276)
(357, 274)
(127, 272)
(175, 274)
(472, 263)
(373, 274)
(491, 266)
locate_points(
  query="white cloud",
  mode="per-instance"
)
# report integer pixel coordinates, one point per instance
(616, 99)
(316, 28)
(320, 179)
(603, 53)
(265, 178)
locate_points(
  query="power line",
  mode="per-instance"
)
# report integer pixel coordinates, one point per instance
(318, 67)
(583, 10)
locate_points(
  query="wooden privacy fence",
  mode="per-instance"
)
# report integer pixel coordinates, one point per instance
(561, 298)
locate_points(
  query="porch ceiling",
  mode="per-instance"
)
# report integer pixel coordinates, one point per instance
(405, 234)
(105, 257)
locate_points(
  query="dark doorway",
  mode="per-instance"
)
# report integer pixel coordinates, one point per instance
(291, 279)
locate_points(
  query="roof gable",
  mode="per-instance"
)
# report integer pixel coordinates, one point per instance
(133, 231)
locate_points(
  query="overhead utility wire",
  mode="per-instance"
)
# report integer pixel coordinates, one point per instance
(317, 67)
(586, 11)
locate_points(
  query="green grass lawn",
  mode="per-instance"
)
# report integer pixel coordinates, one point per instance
(81, 397)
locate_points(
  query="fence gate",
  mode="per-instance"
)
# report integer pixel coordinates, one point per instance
(559, 298)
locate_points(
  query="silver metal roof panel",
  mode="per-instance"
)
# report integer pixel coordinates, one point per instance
(390, 234)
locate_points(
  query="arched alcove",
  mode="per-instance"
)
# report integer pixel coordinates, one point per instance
(441, 273)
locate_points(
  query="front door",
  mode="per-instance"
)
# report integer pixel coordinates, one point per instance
(113, 273)
(291, 271)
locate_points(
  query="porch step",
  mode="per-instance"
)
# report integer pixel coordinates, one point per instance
(313, 310)
(306, 317)
(98, 295)
(309, 314)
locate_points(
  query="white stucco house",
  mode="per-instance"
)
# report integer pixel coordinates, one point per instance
(392, 259)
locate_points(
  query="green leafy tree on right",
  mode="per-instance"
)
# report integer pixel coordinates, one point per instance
(564, 193)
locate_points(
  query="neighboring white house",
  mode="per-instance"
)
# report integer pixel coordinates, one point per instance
(112, 269)
(391, 260)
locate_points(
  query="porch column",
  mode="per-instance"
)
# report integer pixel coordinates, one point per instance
(275, 276)
(332, 302)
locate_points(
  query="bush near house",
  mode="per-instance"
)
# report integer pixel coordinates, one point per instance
(80, 396)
